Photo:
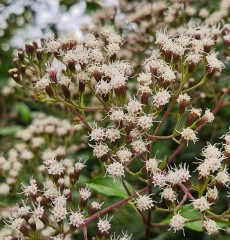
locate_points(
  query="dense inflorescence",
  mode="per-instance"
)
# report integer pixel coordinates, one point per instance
(89, 76)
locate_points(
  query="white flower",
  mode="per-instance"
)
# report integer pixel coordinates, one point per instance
(96, 55)
(104, 225)
(38, 211)
(100, 150)
(193, 58)
(159, 179)
(116, 115)
(96, 205)
(145, 78)
(196, 111)
(169, 194)
(112, 49)
(208, 116)
(145, 122)
(64, 80)
(177, 222)
(223, 176)
(59, 212)
(97, 134)
(50, 44)
(113, 134)
(201, 204)
(115, 169)
(152, 165)
(43, 83)
(189, 135)
(161, 36)
(210, 226)
(31, 189)
(183, 98)
(212, 193)
(213, 63)
(84, 193)
(173, 177)
(56, 168)
(139, 146)
(161, 98)
(103, 88)
(90, 41)
(118, 80)
(183, 173)
(134, 107)
(124, 154)
(211, 151)
(144, 202)
(76, 219)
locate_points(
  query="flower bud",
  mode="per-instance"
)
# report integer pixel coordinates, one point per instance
(26, 216)
(16, 61)
(61, 183)
(24, 230)
(32, 224)
(21, 55)
(183, 101)
(97, 75)
(65, 91)
(192, 116)
(39, 54)
(71, 66)
(67, 194)
(29, 48)
(49, 90)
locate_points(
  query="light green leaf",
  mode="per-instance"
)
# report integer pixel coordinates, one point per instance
(109, 187)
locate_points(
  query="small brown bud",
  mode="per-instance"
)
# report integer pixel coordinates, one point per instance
(32, 224)
(29, 48)
(39, 54)
(67, 194)
(65, 91)
(21, 55)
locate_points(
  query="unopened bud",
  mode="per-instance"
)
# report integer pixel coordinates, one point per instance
(39, 54)
(67, 194)
(21, 55)
(24, 230)
(61, 183)
(32, 224)
(65, 91)
(29, 48)
(183, 101)
(49, 90)
(16, 61)
(71, 66)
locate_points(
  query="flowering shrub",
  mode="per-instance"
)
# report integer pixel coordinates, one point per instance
(164, 79)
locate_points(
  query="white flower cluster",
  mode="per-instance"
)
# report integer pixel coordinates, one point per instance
(212, 163)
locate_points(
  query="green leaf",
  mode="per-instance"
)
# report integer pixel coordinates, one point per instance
(11, 130)
(109, 187)
(24, 112)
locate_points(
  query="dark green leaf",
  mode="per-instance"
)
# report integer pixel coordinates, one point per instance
(110, 187)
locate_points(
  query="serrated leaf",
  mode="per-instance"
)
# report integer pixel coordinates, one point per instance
(109, 187)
